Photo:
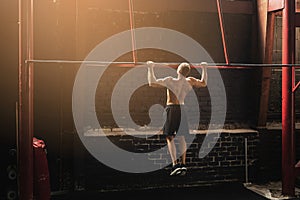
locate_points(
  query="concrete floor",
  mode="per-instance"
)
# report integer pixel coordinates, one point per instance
(226, 191)
(271, 190)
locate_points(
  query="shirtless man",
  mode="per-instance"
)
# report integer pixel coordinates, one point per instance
(176, 122)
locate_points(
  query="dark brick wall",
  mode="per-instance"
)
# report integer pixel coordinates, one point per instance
(241, 94)
(70, 33)
(72, 38)
(269, 151)
(224, 163)
(274, 111)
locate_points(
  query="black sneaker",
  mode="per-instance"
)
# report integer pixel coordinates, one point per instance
(176, 170)
(183, 169)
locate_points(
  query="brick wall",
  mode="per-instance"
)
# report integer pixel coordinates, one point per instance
(61, 35)
(241, 95)
(54, 124)
(224, 163)
(269, 151)
(274, 110)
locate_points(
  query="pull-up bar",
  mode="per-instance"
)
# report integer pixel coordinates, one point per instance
(171, 64)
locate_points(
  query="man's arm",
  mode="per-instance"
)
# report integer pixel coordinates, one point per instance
(151, 76)
(203, 81)
(152, 81)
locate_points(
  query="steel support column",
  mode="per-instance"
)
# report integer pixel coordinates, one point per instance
(288, 145)
(25, 148)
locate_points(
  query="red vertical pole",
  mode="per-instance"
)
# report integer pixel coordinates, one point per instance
(288, 51)
(220, 14)
(25, 136)
(131, 19)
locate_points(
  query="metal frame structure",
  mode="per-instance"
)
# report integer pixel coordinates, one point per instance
(290, 20)
(26, 105)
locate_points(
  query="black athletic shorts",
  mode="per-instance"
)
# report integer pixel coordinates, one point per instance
(175, 121)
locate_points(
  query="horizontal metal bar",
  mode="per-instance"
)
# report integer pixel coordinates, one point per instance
(104, 63)
(132, 64)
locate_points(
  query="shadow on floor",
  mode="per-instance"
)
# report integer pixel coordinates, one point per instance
(225, 191)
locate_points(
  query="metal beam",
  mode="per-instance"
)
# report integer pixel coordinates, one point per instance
(262, 13)
(266, 71)
(288, 143)
(25, 148)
